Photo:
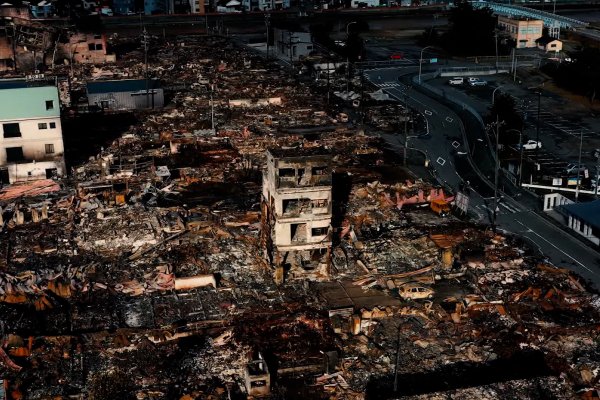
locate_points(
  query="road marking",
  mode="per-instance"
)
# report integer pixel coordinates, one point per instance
(551, 244)
(441, 161)
(448, 119)
(427, 112)
(455, 144)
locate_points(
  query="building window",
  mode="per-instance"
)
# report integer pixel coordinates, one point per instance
(50, 148)
(553, 45)
(318, 231)
(52, 125)
(11, 130)
(14, 154)
(42, 125)
(97, 36)
(49, 104)
(94, 46)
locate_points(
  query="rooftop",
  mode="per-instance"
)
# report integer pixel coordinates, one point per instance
(126, 85)
(588, 212)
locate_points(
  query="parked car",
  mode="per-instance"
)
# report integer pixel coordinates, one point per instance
(456, 81)
(476, 82)
(415, 291)
(397, 56)
(572, 168)
(532, 145)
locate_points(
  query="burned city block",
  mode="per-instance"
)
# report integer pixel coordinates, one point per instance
(221, 226)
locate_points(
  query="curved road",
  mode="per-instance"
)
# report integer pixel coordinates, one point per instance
(445, 149)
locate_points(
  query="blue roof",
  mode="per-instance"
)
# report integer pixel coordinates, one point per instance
(126, 85)
(588, 212)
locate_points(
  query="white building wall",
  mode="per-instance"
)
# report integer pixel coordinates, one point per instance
(33, 141)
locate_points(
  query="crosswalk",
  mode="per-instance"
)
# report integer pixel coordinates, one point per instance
(503, 208)
(387, 84)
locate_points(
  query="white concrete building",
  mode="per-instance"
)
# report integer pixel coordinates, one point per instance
(296, 211)
(31, 143)
(291, 45)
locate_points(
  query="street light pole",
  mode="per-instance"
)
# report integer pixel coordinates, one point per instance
(421, 61)
(348, 59)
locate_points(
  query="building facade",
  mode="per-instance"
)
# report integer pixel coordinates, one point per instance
(523, 31)
(31, 143)
(292, 46)
(584, 219)
(296, 212)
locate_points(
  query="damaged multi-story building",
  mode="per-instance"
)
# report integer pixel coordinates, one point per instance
(31, 145)
(296, 211)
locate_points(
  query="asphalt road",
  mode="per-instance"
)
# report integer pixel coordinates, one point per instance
(445, 149)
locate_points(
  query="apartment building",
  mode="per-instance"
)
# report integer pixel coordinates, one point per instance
(523, 31)
(296, 212)
(31, 143)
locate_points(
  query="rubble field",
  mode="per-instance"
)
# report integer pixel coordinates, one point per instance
(144, 276)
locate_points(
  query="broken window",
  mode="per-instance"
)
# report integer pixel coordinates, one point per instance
(42, 125)
(287, 172)
(319, 231)
(298, 232)
(290, 205)
(319, 203)
(11, 130)
(319, 170)
(49, 148)
(14, 154)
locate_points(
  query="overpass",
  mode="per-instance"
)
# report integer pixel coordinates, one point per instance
(553, 22)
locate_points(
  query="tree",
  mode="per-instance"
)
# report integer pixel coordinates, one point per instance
(504, 110)
(472, 31)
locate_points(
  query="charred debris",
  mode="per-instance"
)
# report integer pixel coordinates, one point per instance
(245, 241)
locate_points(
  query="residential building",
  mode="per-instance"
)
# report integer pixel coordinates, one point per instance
(584, 219)
(31, 143)
(547, 44)
(523, 31)
(296, 211)
(127, 94)
(292, 46)
(197, 6)
(83, 48)
(365, 3)
(265, 5)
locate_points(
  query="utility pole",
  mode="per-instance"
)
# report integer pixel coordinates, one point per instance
(267, 24)
(496, 42)
(579, 166)
(348, 59)
(212, 109)
(145, 41)
(537, 136)
(496, 168)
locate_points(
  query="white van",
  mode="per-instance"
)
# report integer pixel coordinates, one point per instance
(456, 81)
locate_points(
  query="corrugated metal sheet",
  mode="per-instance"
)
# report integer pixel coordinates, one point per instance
(135, 100)
(124, 85)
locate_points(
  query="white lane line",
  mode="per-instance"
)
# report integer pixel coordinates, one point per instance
(551, 244)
